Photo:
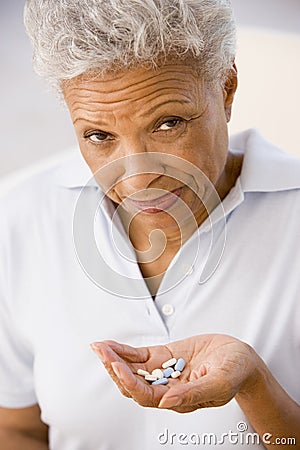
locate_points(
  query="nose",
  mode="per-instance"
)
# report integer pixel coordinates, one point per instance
(140, 167)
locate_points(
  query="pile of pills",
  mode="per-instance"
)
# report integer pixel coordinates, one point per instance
(170, 369)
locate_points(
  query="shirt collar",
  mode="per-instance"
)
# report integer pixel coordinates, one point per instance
(74, 172)
(266, 168)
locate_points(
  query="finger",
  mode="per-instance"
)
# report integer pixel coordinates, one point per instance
(128, 353)
(138, 358)
(137, 387)
(105, 353)
(107, 357)
(121, 388)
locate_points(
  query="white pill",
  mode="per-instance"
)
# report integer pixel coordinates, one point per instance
(175, 374)
(142, 372)
(169, 363)
(150, 377)
(158, 373)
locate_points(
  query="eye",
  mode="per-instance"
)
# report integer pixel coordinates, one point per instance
(98, 136)
(170, 127)
(170, 124)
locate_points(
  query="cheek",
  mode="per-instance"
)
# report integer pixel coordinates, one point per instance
(206, 148)
(92, 157)
(197, 148)
(105, 170)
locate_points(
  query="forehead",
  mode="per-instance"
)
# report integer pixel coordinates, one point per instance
(138, 89)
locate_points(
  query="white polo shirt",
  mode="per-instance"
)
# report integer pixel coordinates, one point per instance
(50, 309)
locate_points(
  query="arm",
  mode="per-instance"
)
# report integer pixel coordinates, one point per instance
(219, 368)
(22, 429)
(269, 408)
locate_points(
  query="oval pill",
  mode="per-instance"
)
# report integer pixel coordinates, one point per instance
(169, 363)
(150, 377)
(175, 374)
(158, 373)
(168, 372)
(161, 381)
(142, 372)
(180, 365)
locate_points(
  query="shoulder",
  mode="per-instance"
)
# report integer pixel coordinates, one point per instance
(266, 168)
(46, 191)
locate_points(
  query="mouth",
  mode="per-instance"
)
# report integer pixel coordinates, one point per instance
(159, 204)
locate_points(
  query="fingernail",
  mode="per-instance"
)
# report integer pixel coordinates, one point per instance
(116, 369)
(96, 346)
(170, 402)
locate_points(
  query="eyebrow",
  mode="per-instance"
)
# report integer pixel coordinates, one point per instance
(147, 113)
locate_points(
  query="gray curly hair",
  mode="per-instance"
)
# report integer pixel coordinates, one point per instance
(72, 37)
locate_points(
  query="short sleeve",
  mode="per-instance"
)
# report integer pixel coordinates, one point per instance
(16, 360)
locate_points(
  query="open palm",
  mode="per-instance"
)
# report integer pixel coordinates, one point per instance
(217, 367)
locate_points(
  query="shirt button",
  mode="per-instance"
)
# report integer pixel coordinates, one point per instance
(167, 309)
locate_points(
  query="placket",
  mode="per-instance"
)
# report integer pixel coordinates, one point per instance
(124, 261)
(181, 276)
(196, 262)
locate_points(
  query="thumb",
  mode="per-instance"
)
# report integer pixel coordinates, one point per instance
(211, 388)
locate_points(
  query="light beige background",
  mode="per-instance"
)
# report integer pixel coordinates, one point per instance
(34, 126)
(269, 91)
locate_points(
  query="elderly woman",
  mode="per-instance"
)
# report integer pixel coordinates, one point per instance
(182, 245)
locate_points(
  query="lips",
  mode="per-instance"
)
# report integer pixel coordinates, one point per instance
(158, 204)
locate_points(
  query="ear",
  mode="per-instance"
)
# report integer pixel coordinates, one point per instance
(229, 89)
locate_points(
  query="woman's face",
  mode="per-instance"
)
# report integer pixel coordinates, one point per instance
(137, 112)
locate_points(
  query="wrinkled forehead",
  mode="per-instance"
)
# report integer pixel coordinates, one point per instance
(138, 88)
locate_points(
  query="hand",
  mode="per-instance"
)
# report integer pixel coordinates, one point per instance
(217, 368)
